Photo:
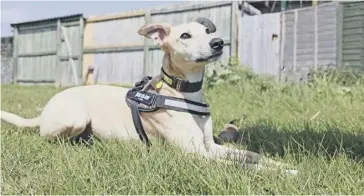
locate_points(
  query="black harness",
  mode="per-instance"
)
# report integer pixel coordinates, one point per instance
(143, 98)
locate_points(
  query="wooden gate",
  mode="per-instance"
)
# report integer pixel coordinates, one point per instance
(259, 43)
(49, 51)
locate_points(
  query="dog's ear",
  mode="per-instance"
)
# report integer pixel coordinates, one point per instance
(157, 32)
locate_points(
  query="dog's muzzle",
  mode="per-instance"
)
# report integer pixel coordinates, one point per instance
(217, 44)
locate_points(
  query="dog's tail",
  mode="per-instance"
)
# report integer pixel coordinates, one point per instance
(20, 121)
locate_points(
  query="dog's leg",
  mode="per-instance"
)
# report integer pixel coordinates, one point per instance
(194, 141)
(191, 142)
(64, 122)
(248, 158)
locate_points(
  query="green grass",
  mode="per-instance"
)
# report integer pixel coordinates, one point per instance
(318, 128)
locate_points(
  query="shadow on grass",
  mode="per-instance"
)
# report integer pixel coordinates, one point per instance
(280, 141)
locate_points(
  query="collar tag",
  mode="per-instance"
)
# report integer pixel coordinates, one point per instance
(159, 84)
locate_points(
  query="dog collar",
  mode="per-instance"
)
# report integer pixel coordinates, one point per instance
(180, 84)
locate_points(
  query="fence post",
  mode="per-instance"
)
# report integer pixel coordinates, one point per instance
(315, 37)
(283, 41)
(15, 54)
(69, 54)
(339, 37)
(234, 29)
(80, 59)
(59, 69)
(147, 19)
(295, 41)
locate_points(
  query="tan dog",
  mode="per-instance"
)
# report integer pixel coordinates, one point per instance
(188, 48)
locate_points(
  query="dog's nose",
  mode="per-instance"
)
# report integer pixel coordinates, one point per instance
(217, 44)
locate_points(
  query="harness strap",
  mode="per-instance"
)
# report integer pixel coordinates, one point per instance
(180, 84)
(152, 100)
(138, 124)
(139, 100)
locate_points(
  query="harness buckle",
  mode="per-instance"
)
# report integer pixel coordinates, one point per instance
(181, 84)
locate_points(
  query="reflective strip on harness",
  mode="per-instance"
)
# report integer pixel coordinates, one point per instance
(186, 106)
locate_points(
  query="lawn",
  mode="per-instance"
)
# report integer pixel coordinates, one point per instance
(319, 128)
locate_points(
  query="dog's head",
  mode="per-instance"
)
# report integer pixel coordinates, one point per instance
(190, 44)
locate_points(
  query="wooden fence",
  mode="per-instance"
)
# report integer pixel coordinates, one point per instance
(259, 43)
(309, 40)
(120, 55)
(285, 45)
(48, 51)
(288, 44)
(351, 30)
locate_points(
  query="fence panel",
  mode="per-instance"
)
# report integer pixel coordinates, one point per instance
(36, 52)
(108, 48)
(309, 40)
(353, 35)
(40, 47)
(259, 44)
(327, 40)
(120, 67)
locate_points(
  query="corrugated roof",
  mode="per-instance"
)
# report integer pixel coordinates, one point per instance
(47, 19)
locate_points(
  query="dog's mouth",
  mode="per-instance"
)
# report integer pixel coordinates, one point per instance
(214, 56)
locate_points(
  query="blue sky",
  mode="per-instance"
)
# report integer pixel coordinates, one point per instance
(22, 11)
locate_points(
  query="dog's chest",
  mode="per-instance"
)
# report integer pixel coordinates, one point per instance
(201, 121)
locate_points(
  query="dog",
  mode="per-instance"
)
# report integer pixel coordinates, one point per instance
(188, 48)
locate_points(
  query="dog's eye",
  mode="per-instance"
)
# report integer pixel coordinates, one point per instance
(207, 31)
(185, 36)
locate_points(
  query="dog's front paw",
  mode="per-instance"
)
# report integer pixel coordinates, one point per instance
(229, 133)
(253, 166)
(260, 167)
(291, 172)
